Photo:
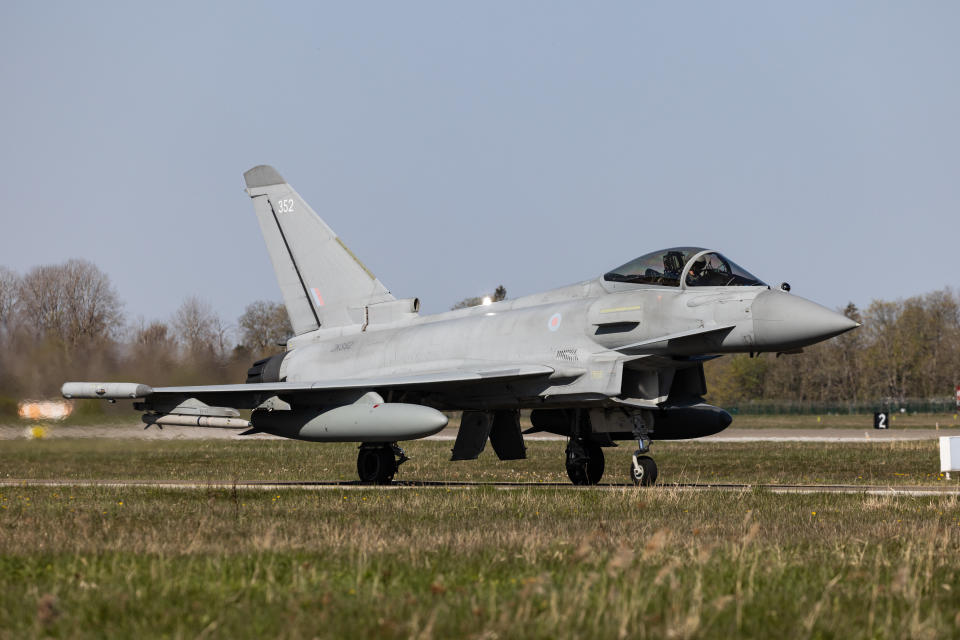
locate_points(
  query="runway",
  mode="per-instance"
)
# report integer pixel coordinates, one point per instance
(875, 490)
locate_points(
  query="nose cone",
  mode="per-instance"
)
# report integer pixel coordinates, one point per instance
(783, 321)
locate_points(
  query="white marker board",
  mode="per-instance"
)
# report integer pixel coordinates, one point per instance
(950, 453)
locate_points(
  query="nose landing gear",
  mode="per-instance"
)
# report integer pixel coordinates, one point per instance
(643, 470)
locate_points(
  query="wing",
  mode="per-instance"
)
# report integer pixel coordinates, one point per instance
(247, 396)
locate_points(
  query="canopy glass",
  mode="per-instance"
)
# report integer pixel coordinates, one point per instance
(666, 268)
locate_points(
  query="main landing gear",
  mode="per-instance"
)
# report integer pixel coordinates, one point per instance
(584, 461)
(377, 462)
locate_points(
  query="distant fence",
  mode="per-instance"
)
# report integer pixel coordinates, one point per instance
(910, 405)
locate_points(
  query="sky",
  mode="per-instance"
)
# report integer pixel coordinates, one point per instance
(456, 146)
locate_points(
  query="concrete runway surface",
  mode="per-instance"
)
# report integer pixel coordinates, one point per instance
(462, 486)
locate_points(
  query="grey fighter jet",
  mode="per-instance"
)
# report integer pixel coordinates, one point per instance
(618, 357)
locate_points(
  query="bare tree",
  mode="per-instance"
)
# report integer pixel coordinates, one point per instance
(41, 300)
(9, 296)
(93, 307)
(153, 352)
(198, 328)
(73, 301)
(263, 326)
(154, 339)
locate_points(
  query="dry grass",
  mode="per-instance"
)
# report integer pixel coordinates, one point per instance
(466, 562)
(526, 562)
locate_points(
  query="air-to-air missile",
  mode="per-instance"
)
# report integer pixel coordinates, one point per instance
(617, 357)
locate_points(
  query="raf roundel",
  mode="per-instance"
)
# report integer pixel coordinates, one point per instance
(554, 322)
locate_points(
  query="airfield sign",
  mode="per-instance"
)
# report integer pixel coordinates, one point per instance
(881, 420)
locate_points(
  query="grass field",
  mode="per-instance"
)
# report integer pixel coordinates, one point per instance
(890, 463)
(481, 562)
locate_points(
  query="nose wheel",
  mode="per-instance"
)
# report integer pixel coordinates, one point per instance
(378, 463)
(643, 470)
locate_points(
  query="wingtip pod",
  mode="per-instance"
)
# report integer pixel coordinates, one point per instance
(105, 390)
(262, 176)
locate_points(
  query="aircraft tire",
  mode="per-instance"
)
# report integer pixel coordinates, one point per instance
(597, 463)
(589, 470)
(376, 465)
(643, 471)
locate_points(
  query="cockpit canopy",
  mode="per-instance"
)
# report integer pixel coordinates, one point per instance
(669, 266)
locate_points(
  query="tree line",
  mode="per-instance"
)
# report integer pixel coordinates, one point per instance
(905, 350)
(66, 321)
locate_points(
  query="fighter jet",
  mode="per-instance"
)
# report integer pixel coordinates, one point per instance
(616, 357)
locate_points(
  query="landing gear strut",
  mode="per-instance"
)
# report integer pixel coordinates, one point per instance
(377, 463)
(584, 461)
(643, 470)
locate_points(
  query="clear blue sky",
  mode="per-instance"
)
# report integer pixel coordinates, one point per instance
(457, 146)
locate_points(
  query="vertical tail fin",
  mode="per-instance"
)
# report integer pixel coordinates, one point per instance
(322, 282)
